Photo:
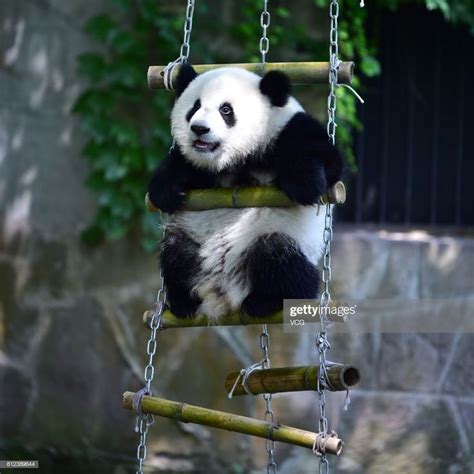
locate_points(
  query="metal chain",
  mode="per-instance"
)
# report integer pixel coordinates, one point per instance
(264, 23)
(322, 342)
(333, 70)
(144, 421)
(185, 47)
(269, 415)
(188, 28)
(264, 46)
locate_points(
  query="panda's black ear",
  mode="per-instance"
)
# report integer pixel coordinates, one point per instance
(277, 87)
(185, 76)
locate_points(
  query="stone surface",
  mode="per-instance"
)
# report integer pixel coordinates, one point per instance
(71, 338)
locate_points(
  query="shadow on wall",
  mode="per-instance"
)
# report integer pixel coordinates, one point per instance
(41, 173)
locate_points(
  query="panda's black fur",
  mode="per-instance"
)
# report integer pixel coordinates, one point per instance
(242, 259)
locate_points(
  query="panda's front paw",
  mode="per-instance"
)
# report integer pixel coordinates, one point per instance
(306, 187)
(168, 198)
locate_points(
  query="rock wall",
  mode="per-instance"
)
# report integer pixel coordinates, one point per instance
(71, 338)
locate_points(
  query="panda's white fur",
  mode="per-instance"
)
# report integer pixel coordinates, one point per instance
(223, 237)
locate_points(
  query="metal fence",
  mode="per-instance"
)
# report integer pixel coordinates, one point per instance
(416, 152)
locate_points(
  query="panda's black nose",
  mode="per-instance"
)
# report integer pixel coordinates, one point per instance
(200, 130)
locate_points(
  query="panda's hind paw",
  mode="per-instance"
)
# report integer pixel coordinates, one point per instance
(258, 306)
(184, 308)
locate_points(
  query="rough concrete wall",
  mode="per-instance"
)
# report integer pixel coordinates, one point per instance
(60, 343)
(70, 318)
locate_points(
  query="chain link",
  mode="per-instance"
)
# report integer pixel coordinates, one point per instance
(184, 50)
(333, 70)
(264, 23)
(322, 342)
(269, 415)
(326, 273)
(188, 28)
(144, 421)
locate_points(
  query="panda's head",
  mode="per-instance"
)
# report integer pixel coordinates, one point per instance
(226, 114)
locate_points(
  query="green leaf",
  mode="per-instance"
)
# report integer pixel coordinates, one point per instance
(115, 172)
(121, 206)
(97, 127)
(370, 66)
(101, 27)
(116, 229)
(125, 43)
(92, 149)
(92, 65)
(149, 243)
(108, 158)
(282, 12)
(95, 181)
(125, 4)
(94, 102)
(92, 236)
(439, 5)
(133, 158)
(125, 72)
(124, 135)
(149, 9)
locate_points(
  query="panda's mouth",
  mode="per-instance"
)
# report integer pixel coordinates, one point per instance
(205, 147)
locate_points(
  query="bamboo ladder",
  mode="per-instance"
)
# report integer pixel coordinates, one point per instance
(276, 380)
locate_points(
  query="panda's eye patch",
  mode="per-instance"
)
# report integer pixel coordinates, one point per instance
(226, 109)
(193, 110)
(227, 113)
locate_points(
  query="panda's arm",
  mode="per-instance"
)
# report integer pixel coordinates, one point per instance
(173, 178)
(307, 164)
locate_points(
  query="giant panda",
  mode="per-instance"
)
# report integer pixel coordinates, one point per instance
(234, 128)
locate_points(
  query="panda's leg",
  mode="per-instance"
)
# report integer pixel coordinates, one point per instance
(180, 263)
(277, 269)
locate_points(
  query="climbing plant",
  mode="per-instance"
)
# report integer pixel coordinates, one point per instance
(128, 126)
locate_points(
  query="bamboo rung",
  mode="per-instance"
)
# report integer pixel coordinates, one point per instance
(292, 379)
(298, 72)
(230, 422)
(170, 321)
(259, 196)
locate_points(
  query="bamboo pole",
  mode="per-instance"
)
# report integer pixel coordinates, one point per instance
(230, 422)
(298, 72)
(170, 321)
(260, 196)
(292, 379)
